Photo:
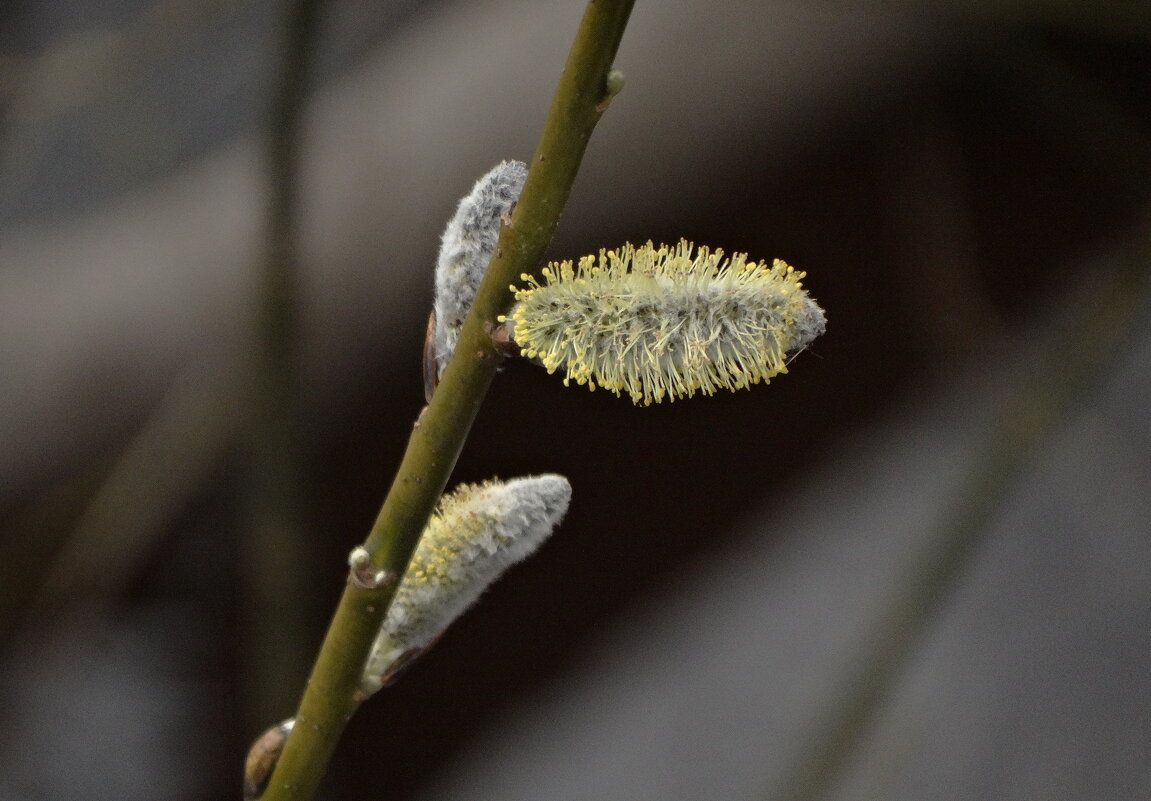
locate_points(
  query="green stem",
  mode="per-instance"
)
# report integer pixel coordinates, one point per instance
(329, 699)
(275, 547)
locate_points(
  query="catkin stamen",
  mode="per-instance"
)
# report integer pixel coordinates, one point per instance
(660, 322)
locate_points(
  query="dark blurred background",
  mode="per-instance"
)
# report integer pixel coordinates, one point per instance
(952, 179)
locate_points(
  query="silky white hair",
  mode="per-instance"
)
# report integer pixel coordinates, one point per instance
(466, 248)
(477, 533)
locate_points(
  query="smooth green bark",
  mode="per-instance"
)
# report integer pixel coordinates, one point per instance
(438, 436)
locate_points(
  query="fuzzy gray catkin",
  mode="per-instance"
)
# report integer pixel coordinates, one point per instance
(478, 531)
(466, 248)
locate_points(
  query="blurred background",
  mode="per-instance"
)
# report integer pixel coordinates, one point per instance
(915, 567)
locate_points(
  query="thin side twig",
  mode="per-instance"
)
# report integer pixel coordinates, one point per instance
(275, 557)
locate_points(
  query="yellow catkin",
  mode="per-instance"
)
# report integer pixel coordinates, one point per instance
(664, 322)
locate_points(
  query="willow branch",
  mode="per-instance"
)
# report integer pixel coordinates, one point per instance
(276, 520)
(436, 441)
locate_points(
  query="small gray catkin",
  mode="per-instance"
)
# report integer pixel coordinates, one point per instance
(466, 248)
(478, 532)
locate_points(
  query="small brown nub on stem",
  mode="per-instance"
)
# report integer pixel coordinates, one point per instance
(502, 341)
(262, 758)
(431, 368)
